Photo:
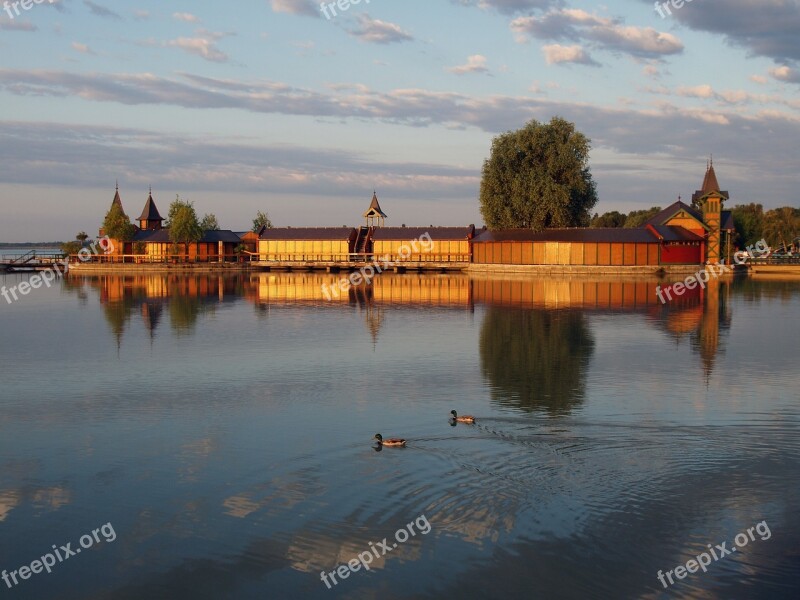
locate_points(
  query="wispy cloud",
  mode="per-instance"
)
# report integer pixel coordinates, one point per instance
(475, 64)
(15, 25)
(604, 33)
(510, 7)
(186, 17)
(557, 54)
(296, 7)
(82, 48)
(102, 11)
(374, 31)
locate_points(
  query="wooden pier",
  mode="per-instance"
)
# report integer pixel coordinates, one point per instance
(31, 261)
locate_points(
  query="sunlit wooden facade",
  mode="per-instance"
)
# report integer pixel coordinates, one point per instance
(306, 244)
(606, 247)
(420, 244)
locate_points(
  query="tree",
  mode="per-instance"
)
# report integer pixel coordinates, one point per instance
(781, 226)
(609, 219)
(82, 237)
(209, 223)
(748, 219)
(538, 177)
(637, 218)
(117, 225)
(261, 220)
(184, 228)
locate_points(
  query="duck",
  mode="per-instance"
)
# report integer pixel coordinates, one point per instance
(390, 441)
(462, 419)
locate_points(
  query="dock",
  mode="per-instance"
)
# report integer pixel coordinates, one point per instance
(31, 261)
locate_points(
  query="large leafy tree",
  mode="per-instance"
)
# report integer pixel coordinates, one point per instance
(261, 220)
(184, 228)
(117, 225)
(538, 177)
(781, 226)
(748, 219)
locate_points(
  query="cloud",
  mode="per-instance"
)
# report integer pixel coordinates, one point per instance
(185, 17)
(697, 91)
(576, 25)
(510, 7)
(14, 25)
(786, 74)
(759, 79)
(82, 48)
(475, 64)
(764, 27)
(141, 15)
(374, 31)
(296, 7)
(556, 54)
(102, 11)
(204, 47)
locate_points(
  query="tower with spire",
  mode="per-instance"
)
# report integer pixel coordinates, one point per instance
(374, 215)
(710, 201)
(150, 219)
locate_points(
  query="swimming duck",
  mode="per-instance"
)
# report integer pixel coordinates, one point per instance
(464, 419)
(389, 441)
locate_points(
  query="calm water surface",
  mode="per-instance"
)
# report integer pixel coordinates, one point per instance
(223, 427)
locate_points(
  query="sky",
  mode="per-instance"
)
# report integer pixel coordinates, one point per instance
(276, 105)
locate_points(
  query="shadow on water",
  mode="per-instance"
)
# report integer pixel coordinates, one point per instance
(536, 359)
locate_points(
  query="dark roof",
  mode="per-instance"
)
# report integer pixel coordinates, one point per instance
(672, 210)
(161, 236)
(308, 233)
(638, 235)
(415, 233)
(150, 212)
(117, 200)
(152, 236)
(710, 185)
(727, 221)
(669, 233)
(220, 235)
(375, 207)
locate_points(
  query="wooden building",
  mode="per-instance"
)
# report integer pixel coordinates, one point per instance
(151, 242)
(422, 244)
(646, 246)
(306, 244)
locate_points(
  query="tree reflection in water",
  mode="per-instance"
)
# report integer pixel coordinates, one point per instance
(536, 359)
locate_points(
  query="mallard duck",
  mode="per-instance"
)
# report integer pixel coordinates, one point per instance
(390, 441)
(464, 419)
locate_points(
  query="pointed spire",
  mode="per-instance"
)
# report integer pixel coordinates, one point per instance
(117, 201)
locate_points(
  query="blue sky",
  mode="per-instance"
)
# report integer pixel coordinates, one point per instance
(268, 105)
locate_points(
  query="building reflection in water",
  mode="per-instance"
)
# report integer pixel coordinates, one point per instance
(552, 313)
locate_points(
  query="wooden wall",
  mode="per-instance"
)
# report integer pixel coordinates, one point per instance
(566, 253)
(325, 250)
(435, 251)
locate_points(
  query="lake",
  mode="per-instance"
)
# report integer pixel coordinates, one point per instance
(193, 437)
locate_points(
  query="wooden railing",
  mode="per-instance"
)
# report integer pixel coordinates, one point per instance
(354, 257)
(156, 259)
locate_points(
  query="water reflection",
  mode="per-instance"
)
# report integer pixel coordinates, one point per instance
(536, 359)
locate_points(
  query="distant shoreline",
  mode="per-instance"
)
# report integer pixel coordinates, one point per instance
(31, 245)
